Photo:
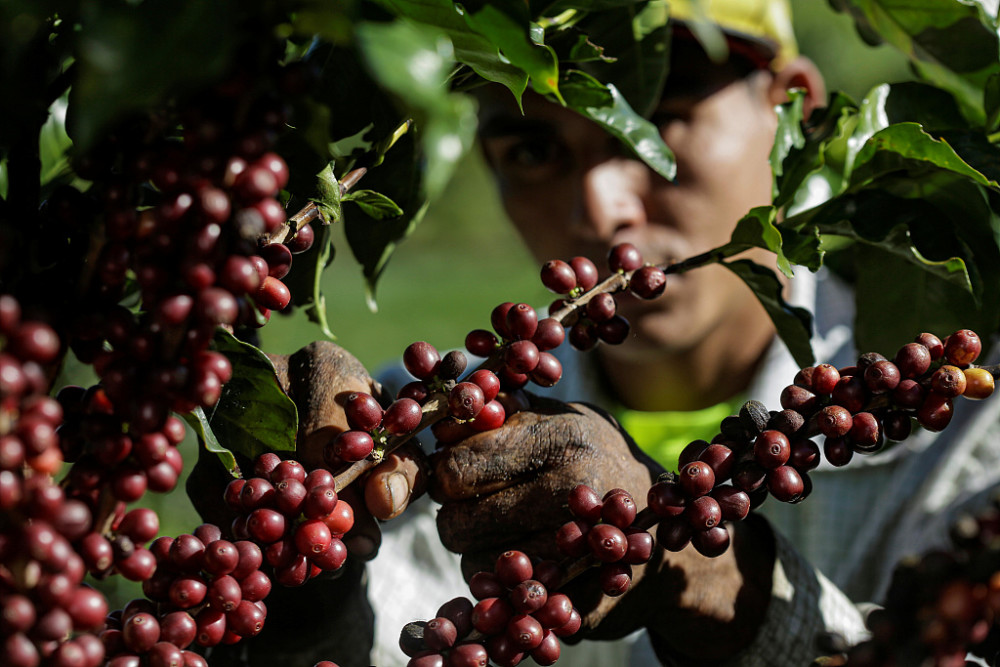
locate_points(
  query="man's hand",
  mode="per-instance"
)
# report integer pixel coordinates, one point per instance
(508, 488)
(319, 378)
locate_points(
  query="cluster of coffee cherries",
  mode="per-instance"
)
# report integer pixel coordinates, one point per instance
(471, 405)
(46, 609)
(593, 315)
(28, 417)
(47, 612)
(604, 529)
(107, 457)
(515, 616)
(185, 215)
(370, 425)
(200, 588)
(857, 409)
(295, 517)
(940, 606)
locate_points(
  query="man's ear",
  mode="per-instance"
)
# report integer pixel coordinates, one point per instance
(799, 73)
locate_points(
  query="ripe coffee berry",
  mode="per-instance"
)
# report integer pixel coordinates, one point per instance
(624, 257)
(513, 567)
(772, 448)
(607, 542)
(962, 347)
(528, 596)
(558, 276)
(697, 478)
(586, 272)
(465, 400)
(521, 321)
(363, 412)
(648, 282)
(422, 359)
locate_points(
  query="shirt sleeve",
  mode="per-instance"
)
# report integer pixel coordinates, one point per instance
(804, 603)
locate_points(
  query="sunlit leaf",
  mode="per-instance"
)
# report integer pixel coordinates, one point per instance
(374, 204)
(471, 48)
(757, 229)
(950, 43)
(507, 26)
(206, 439)
(605, 106)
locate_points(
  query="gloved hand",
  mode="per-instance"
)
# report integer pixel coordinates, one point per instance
(508, 488)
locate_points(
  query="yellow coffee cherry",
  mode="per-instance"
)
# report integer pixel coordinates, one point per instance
(978, 383)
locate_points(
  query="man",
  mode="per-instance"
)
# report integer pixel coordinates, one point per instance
(570, 189)
(697, 353)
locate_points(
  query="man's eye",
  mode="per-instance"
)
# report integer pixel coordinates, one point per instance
(531, 153)
(530, 159)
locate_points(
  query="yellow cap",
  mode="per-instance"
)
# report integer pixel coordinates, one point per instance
(766, 24)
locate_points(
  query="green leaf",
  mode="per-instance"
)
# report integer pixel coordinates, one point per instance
(471, 48)
(305, 278)
(824, 147)
(507, 25)
(414, 63)
(328, 194)
(907, 146)
(794, 324)
(637, 40)
(757, 229)
(882, 325)
(605, 106)
(129, 58)
(789, 134)
(197, 420)
(374, 204)
(991, 103)
(253, 415)
(950, 43)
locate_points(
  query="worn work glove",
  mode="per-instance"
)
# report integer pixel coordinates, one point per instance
(508, 488)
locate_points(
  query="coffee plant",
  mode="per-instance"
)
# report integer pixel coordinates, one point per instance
(169, 173)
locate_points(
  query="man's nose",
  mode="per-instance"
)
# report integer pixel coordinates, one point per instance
(615, 193)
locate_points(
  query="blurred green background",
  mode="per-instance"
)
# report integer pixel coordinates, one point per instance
(464, 258)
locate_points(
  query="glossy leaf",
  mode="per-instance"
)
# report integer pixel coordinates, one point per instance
(471, 48)
(634, 41)
(822, 149)
(907, 146)
(197, 420)
(506, 25)
(253, 415)
(950, 43)
(328, 194)
(374, 204)
(605, 106)
(412, 63)
(794, 324)
(757, 229)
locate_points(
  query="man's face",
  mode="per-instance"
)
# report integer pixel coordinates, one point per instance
(571, 189)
